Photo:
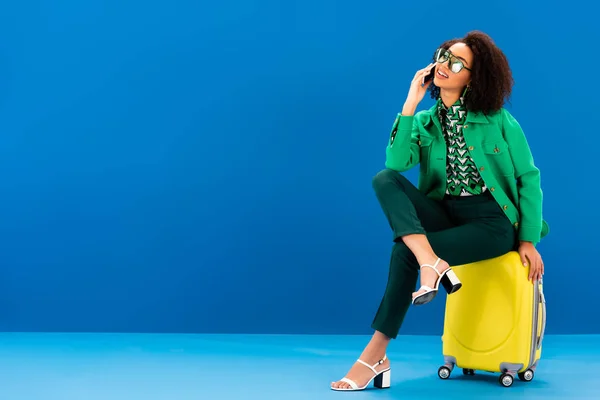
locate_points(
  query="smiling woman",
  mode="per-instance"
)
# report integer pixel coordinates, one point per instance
(479, 193)
(488, 81)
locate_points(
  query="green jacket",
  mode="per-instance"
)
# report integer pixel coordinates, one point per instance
(499, 149)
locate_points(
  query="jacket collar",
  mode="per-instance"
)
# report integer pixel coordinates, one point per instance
(472, 117)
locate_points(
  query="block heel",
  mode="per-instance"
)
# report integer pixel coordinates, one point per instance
(450, 281)
(384, 380)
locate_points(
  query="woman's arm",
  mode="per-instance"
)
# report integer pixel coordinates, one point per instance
(528, 180)
(402, 152)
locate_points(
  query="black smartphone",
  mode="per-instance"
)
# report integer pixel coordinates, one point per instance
(429, 76)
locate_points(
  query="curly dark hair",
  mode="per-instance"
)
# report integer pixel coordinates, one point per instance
(491, 77)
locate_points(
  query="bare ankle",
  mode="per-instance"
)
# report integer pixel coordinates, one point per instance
(421, 248)
(376, 348)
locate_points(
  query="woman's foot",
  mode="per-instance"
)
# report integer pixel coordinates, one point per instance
(428, 276)
(361, 374)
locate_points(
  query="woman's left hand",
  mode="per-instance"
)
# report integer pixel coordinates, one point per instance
(530, 256)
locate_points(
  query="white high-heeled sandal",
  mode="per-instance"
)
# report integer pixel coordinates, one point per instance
(448, 279)
(382, 378)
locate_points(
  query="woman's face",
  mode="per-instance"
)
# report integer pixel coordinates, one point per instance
(458, 57)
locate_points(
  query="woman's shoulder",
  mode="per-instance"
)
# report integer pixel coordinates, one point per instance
(502, 119)
(503, 114)
(506, 122)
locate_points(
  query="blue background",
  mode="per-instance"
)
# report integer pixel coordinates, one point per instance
(186, 167)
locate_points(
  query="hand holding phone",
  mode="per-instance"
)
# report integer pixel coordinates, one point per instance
(418, 88)
(429, 76)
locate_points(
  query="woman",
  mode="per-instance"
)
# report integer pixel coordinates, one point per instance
(479, 192)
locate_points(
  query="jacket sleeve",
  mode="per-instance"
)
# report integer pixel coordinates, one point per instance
(402, 152)
(528, 180)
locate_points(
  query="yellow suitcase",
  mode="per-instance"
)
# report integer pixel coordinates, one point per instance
(495, 322)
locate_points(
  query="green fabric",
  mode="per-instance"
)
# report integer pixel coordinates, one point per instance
(460, 231)
(499, 150)
(462, 177)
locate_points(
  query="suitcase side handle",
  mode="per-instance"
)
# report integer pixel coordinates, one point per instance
(543, 304)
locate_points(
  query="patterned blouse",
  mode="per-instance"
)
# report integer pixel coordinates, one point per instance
(463, 178)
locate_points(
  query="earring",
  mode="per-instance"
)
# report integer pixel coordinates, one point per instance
(467, 88)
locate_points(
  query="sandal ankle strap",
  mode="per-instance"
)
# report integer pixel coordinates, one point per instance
(372, 367)
(434, 266)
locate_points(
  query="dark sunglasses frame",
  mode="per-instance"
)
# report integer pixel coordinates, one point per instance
(442, 55)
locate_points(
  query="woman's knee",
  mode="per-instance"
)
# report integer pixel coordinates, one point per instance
(386, 177)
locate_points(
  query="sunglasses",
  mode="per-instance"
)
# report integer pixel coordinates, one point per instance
(456, 65)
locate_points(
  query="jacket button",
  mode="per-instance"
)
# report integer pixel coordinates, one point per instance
(505, 207)
(481, 169)
(419, 142)
(516, 224)
(466, 126)
(471, 147)
(492, 189)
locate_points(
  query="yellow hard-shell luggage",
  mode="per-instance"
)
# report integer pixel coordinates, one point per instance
(495, 322)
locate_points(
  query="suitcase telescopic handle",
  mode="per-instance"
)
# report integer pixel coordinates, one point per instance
(543, 304)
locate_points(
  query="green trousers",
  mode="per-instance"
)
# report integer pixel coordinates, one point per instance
(460, 230)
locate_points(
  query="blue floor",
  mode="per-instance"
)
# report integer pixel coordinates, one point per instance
(206, 367)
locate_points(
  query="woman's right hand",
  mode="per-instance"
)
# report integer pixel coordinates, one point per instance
(417, 90)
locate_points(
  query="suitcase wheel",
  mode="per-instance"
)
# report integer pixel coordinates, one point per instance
(526, 376)
(506, 379)
(444, 372)
(468, 371)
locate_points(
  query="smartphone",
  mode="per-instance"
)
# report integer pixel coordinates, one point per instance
(429, 76)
